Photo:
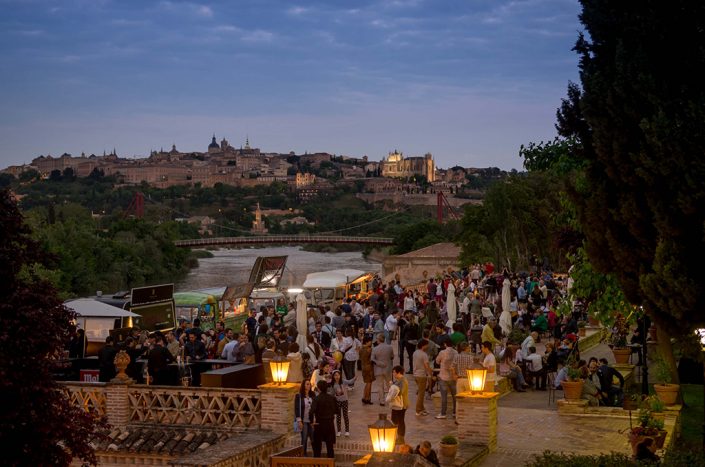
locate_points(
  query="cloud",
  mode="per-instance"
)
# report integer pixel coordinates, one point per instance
(227, 28)
(297, 11)
(258, 35)
(187, 8)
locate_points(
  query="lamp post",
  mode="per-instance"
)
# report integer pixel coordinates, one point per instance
(476, 378)
(280, 369)
(383, 434)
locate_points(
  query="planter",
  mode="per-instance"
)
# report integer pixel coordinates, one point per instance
(593, 321)
(668, 393)
(660, 440)
(630, 404)
(448, 450)
(635, 440)
(659, 416)
(581, 332)
(621, 356)
(572, 390)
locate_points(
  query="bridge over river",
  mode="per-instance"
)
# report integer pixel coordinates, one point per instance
(281, 239)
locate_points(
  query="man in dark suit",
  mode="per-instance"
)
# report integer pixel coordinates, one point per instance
(106, 360)
(322, 414)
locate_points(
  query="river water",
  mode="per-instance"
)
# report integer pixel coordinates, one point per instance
(233, 266)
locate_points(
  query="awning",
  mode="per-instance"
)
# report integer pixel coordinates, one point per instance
(93, 308)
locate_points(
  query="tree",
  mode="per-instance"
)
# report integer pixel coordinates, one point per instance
(38, 423)
(640, 122)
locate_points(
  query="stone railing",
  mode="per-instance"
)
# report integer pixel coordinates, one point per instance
(204, 407)
(92, 397)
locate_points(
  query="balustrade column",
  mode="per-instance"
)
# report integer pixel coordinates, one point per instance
(117, 403)
(277, 402)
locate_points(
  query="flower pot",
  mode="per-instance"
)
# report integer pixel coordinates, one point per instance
(660, 440)
(621, 356)
(635, 440)
(581, 332)
(668, 393)
(630, 404)
(593, 321)
(572, 390)
(448, 450)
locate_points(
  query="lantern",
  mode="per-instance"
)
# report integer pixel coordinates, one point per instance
(280, 369)
(383, 434)
(476, 378)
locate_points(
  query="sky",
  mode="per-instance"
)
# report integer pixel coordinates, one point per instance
(469, 81)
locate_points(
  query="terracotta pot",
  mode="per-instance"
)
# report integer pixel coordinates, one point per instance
(630, 404)
(635, 440)
(659, 416)
(448, 450)
(621, 356)
(593, 321)
(581, 332)
(668, 393)
(572, 390)
(660, 440)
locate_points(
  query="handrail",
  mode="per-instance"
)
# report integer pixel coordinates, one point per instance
(268, 239)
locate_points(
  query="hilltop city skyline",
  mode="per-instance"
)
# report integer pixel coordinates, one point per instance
(469, 82)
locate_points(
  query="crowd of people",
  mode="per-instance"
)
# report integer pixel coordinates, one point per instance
(394, 333)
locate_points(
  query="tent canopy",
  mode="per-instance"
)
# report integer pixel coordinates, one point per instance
(332, 279)
(93, 308)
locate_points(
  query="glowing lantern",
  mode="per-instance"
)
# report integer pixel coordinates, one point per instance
(476, 378)
(383, 434)
(280, 369)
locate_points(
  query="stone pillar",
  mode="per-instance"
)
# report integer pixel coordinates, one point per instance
(277, 403)
(476, 415)
(117, 403)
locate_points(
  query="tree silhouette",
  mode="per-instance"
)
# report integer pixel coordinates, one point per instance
(38, 424)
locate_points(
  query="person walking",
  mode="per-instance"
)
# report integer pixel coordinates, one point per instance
(321, 418)
(398, 400)
(382, 357)
(340, 389)
(422, 372)
(447, 377)
(368, 375)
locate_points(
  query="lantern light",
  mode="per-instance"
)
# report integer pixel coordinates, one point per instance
(280, 369)
(476, 378)
(383, 434)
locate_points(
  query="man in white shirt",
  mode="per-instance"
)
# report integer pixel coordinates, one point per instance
(490, 363)
(537, 371)
(409, 302)
(529, 342)
(390, 326)
(229, 351)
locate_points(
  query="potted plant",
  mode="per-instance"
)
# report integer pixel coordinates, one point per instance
(515, 338)
(619, 340)
(581, 328)
(592, 320)
(666, 391)
(647, 428)
(656, 407)
(449, 446)
(573, 386)
(631, 400)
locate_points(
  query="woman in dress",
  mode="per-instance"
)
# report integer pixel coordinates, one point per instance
(367, 369)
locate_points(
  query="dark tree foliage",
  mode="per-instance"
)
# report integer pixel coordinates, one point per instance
(640, 121)
(38, 424)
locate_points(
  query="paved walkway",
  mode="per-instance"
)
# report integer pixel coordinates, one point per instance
(527, 425)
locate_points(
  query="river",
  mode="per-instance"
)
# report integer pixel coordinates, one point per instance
(233, 266)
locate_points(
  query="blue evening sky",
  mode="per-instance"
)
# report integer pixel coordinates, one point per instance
(468, 81)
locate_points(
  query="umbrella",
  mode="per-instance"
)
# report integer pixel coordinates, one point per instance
(505, 318)
(506, 294)
(451, 304)
(301, 320)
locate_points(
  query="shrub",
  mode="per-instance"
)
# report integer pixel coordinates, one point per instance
(449, 439)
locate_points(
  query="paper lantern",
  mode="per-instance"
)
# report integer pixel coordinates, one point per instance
(280, 369)
(383, 434)
(476, 378)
